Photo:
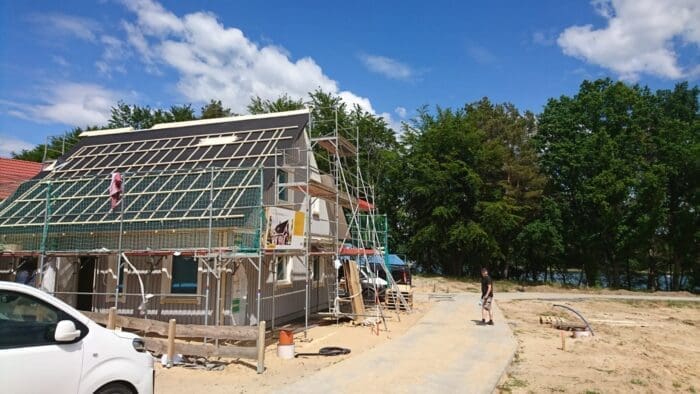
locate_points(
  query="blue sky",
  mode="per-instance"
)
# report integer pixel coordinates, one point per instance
(64, 64)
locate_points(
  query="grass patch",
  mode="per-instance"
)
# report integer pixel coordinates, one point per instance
(512, 383)
(691, 389)
(676, 385)
(592, 392)
(638, 382)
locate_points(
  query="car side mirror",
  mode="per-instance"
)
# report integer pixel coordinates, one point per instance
(66, 331)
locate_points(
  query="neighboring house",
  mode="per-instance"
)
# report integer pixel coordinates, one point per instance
(206, 212)
(13, 172)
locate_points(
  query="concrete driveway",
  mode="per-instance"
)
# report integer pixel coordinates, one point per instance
(447, 351)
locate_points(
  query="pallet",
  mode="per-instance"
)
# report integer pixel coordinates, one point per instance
(552, 320)
(393, 301)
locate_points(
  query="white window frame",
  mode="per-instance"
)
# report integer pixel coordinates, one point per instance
(166, 281)
(287, 270)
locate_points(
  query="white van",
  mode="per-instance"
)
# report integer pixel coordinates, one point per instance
(46, 346)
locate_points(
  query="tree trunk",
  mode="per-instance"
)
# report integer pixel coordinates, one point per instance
(651, 278)
(629, 276)
(676, 276)
(615, 280)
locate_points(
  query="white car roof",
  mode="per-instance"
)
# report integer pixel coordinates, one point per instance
(21, 288)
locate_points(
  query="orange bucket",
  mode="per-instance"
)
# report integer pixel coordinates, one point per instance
(286, 337)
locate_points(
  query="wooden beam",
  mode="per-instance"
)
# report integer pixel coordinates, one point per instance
(235, 333)
(160, 346)
(171, 342)
(261, 347)
(112, 318)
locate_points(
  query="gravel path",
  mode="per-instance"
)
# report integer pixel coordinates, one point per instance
(447, 351)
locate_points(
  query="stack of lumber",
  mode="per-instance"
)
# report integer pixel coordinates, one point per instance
(394, 302)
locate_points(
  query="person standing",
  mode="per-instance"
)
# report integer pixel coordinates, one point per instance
(486, 297)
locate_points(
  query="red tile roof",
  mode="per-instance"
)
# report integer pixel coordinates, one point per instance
(14, 172)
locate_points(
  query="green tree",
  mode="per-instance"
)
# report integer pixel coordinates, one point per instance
(622, 164)
(55, 147)
(182, 113)
(214, 109)
(137, 117)
(143, 117)
(281, 104)
(677, 142)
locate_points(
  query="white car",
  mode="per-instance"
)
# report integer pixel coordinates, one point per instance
(46, 346)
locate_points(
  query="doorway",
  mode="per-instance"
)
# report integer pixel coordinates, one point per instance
(86, 283)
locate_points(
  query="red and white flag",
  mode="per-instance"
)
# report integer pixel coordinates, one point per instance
(115, 189)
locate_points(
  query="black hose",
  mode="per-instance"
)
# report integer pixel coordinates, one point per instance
(327, 351)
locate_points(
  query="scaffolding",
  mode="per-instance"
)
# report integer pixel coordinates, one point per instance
(365, 229)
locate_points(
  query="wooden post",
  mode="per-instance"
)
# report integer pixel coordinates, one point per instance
(563, 341)
(171, 342)
(112, 318)
(261, 346)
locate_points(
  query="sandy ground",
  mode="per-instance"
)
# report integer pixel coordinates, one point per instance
(241, 377)
(639, 346)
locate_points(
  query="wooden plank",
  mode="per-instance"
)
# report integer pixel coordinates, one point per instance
(112, 318)
(171, 342)
(235, 333)
(261, 347)
(570, 326)
(160, 346)
(352, 276)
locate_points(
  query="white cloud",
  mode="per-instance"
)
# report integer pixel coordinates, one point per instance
(544, 38)
(9, 144)
(218, 62)
(82, 28)
(113, 56)
(386, 66)
(60, 60)
(481, 55)
(639, 37)
(401, 111)
(72, 104)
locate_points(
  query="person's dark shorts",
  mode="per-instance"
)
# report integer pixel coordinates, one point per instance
(487, 303)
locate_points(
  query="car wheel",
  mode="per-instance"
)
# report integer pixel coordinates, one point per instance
(115, 388)
(368, 294)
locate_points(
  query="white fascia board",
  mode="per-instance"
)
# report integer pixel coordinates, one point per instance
(94, 133)
(228, 119)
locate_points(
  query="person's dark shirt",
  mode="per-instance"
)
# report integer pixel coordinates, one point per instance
(485, 282)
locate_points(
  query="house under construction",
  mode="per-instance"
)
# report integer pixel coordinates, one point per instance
(218, 221)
